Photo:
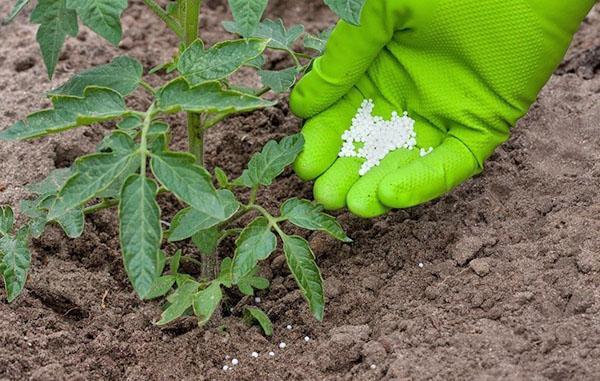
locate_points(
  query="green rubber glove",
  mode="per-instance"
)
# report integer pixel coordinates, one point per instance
(465, 70)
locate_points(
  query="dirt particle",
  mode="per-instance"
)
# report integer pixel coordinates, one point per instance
(48, 372)
(466, 249)
(126, 43)
(523, 297)
(343, 348)
(581, 300)
(278, 263)
(373, 352)
(333, 287)
(588, 261)
(372, 283)
(481, 266)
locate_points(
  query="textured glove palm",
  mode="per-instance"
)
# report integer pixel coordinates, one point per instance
(465, 70)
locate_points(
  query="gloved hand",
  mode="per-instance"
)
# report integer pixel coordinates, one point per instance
(465, 70)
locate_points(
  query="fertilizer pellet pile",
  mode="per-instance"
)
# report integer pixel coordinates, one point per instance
(372, 138)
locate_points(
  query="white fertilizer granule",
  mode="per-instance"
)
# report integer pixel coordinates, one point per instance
(372, 138)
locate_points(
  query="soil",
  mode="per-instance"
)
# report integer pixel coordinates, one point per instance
(498, 280)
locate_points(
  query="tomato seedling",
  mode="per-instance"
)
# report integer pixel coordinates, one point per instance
(133, 163)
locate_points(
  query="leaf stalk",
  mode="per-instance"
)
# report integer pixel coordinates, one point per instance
(172, 23)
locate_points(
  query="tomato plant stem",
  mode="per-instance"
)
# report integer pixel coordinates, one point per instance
(196, 137)
(192, 20)
(191, 16)
(144, 139)
(105, 204)
(148, 87)
(195, 125)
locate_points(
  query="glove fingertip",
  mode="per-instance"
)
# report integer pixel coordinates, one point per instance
(305, 170)
(299, 103)
(394, 195)
(328, 195)
(361, 206)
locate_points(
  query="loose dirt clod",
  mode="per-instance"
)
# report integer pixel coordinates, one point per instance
(480, 266)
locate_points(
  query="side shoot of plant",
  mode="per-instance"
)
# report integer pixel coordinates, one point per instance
(134, 164)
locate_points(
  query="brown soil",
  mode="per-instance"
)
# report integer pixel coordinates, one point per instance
(508, 289)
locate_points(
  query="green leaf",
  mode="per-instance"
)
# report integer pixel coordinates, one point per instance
(279, 81)
(101, 16)
(130, 123)
(319, 41)
(190, 221)
(255, 243)
(51, 184)
(122, 75)
(348, 10)
(161, 263)
(247, 14)
(72, 222)
(198, 65)
(279, 37)
(118, 141)
(140, 232)
(301, 262)
(93, 174)
(161, 287)
(265, 166)
(222, 178)
(225, 272)
(158, 128)
(56, 22)
(98, 105)
(310, 216)
(251, 281)
(189, 182)
(113, 190)
(175, 262)
(257, 62)
(17, 8)
(7, 220)
(207, 98)
(256, 314)
(274, 31)
(37, 218)
(15, 263)
(207, 240)
(207, 301)
(180, 301)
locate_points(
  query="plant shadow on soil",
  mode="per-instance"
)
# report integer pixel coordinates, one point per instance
(508, 289)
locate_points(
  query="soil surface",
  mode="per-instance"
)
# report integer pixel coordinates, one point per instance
(498, 280)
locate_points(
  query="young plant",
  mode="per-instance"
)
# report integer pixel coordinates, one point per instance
(133, 163)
